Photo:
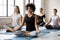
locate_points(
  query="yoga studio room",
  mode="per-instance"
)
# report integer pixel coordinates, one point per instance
(29, 19)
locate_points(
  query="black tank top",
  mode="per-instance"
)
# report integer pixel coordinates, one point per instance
(30, 22)
(40, 19)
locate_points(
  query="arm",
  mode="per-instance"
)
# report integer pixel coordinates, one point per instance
(49, 21)
(4, 22)
(58, 20)
(10, 21)
(36, 26)
(20, 20)
(8, 28)
(44, 19)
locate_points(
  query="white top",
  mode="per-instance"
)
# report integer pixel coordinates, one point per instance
(54, 20)
(15, 19)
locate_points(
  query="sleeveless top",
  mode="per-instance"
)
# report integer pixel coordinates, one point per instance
(54, 20)
(30, 22)
(15, 19)
(40, 19)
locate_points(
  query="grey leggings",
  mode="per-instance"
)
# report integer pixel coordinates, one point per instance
(21, 33)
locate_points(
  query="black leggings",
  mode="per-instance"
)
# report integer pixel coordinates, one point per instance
(50, 27)
(58, 27)
(11, 31)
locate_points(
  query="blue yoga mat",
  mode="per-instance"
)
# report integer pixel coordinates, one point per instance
(42, 33)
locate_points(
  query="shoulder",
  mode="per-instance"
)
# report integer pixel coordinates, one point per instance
(12, 15)
(57, 16)
(19, 15)
(37, 15)
(26, 14)
(51, 17)
(43, 15)
(34, 15)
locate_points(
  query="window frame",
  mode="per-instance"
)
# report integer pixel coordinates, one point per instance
(24, 3)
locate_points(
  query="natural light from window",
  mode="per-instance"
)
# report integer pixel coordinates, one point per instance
(8, 10)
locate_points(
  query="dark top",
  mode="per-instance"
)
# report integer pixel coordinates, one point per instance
(40, 20)
(30, 22)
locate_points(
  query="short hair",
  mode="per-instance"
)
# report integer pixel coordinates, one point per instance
(32, 6)
(55, 10)
(18, 9)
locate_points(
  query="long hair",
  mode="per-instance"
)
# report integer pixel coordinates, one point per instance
(18, 9)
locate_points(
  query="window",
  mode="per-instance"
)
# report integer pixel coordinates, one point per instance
(20, 4)
(2, 7)
(7, 6)
(38, 6)
(31, 1)
(26, 2)
(10, 7)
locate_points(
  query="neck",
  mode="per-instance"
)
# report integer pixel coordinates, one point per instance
(29, 12)
(15, 13)
(41, 12)
(54, 14)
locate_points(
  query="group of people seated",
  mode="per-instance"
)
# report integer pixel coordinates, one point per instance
(31, 20)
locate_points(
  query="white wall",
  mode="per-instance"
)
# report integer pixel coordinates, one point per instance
(42, 4)
(49, 5)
